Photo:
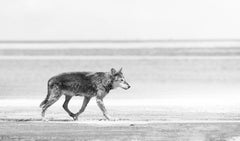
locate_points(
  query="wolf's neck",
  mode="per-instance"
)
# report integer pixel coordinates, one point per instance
(109, 86)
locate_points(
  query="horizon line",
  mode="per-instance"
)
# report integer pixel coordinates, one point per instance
(119, 57)
(117, 41)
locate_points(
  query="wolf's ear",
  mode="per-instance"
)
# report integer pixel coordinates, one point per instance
(113, 71)
(120, 70)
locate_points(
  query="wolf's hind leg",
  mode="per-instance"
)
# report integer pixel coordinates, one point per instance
(84, 105)
(65, 105)
(54, 96)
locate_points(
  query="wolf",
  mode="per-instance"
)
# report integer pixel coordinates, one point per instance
(86, 84)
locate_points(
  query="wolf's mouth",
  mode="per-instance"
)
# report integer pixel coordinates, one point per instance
(126, 88)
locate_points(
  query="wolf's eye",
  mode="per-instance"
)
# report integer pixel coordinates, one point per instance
(121, 79)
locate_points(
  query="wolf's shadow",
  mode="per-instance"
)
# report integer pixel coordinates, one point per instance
(31, 119)
(51, 119)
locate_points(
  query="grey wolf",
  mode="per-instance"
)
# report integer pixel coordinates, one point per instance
(86, 84)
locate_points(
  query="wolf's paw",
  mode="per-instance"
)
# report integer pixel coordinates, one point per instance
(71, 115)
(75, 117)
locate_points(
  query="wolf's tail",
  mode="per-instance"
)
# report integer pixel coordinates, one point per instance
(43, 103)
(46, 99)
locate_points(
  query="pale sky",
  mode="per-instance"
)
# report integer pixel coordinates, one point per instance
(122, 19)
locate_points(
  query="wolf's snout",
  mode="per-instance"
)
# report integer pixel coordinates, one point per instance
(128, 86)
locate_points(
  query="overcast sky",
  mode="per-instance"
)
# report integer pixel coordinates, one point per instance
(122, 19)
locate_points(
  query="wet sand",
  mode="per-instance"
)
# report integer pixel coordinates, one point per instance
(79, 131)
(166, 123)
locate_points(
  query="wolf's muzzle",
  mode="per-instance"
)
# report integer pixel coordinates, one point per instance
(128, 86)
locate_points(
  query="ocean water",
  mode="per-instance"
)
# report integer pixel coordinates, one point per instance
(156, 70)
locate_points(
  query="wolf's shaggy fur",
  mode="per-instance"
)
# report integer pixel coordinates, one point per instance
(86, 84)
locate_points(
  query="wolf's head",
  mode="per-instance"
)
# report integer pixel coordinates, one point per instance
(119, 80)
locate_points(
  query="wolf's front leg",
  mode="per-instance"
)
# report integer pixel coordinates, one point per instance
(102, 107)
